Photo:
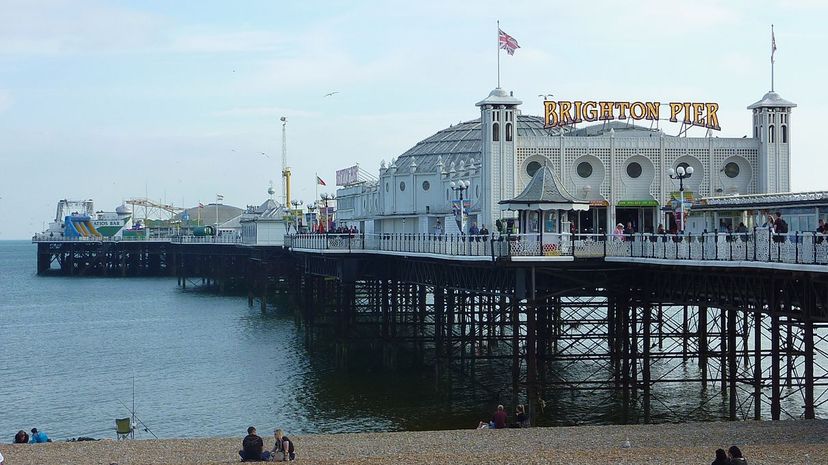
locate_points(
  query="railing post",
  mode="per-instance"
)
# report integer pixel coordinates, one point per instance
(796, 247)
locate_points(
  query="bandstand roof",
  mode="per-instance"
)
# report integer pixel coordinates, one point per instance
(544, 192)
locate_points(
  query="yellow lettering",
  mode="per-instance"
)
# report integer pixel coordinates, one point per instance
(687, 114)
(577, 115)
(637, 110)
(698, 112)
(712, 119)
(675, 109)
(652, 110)
(590, 112)
(622, 109)
(565, 117)
(606, 111)
(550, 116)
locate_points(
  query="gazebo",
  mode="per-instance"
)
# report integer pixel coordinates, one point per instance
(542, 208)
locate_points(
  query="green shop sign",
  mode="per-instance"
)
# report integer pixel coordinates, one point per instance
(637, 203)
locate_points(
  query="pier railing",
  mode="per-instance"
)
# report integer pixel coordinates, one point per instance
(759, 245)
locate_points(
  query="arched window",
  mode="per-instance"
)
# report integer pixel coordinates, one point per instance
(508, 132)
(761, 133)
(771, 139)
(784, 133)
(756, 132)
(496, 132)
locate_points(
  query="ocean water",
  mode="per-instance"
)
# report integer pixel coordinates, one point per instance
(208, 365)
(203, 364)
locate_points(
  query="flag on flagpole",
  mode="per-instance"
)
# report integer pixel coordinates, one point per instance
(507, 42)
(219, 197)
(200, 205)
(319, 181)
(773, 45)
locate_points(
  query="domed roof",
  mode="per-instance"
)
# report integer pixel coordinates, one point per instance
(462, 141)
(772, 99)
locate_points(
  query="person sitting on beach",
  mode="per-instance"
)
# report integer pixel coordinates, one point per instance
(252, 447)
(2, 460)
(736, 457)
(721, 458)
(521, 419)
(38, 437)
(500, 417)
(283, 449)
(21, 437)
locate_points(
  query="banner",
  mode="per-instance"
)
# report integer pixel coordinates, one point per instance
(347, 176)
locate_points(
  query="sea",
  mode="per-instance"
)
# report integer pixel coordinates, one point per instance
(78, 352)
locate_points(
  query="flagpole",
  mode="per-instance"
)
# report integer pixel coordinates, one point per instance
(498, 53)
(773, 49)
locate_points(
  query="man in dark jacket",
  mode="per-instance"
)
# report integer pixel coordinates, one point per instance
(253, 448)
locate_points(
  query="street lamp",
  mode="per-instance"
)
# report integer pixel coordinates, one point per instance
(325, 198)
(681, 173)
(459, 187)
(312, 221)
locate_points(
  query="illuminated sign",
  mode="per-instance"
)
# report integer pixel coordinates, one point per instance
(563, 113)
(348, 176)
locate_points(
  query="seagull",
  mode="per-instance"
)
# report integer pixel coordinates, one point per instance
(264, 154)
(329, 94)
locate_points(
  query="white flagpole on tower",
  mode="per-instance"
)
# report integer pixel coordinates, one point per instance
(498, 53)
(773, 51)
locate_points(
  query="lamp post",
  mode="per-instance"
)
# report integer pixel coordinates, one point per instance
(311, 209)
(296, 204)
(681, 173)
(459, 187)
(325, 198)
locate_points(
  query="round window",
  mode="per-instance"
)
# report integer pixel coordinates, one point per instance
(402, 186)
(532, 168)
(731, 169)
(584, 169)
(426, 185)
(634, 170)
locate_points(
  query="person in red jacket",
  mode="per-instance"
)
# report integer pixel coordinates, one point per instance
(500, 417)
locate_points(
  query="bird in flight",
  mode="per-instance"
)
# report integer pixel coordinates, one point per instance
(329, 94)
(264, 154)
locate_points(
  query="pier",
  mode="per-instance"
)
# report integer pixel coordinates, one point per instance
(744, 317)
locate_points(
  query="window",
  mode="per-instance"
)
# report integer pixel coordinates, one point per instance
(784, 134)
(584, 169)
(756, 132)
(448, 196)
(477, 191)
(731, 170)
(496, 132)
(761, 133)
(634, 170)
(771, 138)
(532, 168)
(426, 185)
(508, 132)
(402, 186)
(386, 187)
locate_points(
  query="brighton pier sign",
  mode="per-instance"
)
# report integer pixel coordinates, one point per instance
(564, 113)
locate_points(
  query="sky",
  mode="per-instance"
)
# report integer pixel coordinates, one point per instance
(177, 101)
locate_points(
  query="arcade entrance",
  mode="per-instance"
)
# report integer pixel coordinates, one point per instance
(642, 218)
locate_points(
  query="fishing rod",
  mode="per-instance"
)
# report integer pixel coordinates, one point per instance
(146, 428)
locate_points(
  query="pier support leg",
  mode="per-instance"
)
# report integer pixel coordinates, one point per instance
(731, 360)
(703, 350)
(645, 375)
(757, 363)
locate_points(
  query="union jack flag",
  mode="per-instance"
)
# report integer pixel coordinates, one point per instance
(507, 42)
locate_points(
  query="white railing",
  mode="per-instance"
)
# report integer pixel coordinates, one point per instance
(223, 239)
(758, 245)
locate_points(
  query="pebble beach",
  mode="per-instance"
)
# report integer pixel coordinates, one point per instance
(763, 443)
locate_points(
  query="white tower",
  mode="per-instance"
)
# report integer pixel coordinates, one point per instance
(771, 126)
(498, 119)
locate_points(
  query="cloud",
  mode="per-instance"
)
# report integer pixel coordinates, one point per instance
(62, 26)
(241, 41)
(264, 111)
(5, 100)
